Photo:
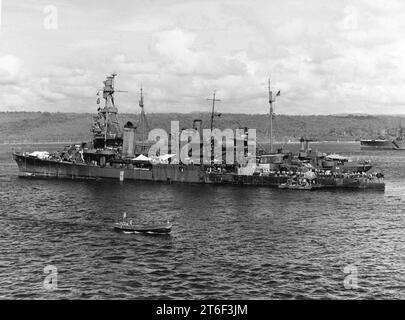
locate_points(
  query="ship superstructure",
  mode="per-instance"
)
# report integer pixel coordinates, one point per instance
(106, 129)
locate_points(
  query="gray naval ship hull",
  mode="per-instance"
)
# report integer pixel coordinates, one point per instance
(34, 167)
(382, 145)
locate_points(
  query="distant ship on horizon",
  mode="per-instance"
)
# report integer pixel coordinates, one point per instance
(397, 143)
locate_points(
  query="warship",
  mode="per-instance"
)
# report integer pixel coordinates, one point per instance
(397, 143)
(121, 153)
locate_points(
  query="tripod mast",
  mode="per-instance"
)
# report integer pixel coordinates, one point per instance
(143, 121)
(212, 124)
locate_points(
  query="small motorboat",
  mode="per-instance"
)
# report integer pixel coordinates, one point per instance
(144, 228)
(129, 226)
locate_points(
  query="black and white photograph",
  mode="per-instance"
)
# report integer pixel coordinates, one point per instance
(198, 150)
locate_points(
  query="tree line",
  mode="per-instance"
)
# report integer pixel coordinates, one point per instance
(45, 126)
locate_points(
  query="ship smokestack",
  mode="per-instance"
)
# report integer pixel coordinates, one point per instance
(302, 147)
(128, 145)
(197, 125)
(245, 141)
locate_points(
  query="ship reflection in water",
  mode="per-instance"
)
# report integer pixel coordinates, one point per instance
(227, 242)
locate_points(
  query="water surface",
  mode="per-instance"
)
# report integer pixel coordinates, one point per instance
(228, 242)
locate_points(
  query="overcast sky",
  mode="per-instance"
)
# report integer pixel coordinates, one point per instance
(325, 56)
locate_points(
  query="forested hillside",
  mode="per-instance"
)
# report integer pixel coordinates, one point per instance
(45, 126)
